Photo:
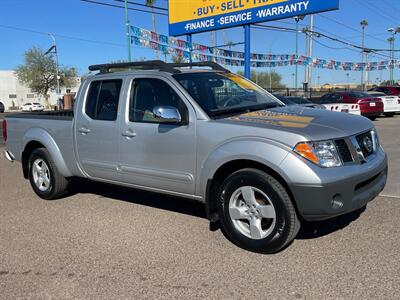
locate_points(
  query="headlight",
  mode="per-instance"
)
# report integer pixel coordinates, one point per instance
(375, 139)
(324, 153)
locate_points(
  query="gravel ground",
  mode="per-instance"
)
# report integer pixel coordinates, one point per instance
(106, 242)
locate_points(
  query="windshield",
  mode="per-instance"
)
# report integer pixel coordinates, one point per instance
(225, 93)
(285, 100)
(376, 94)
(300, 100)
(359, 95)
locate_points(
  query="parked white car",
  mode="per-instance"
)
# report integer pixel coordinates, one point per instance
(34, 106)
(391, 104)
(350, 108)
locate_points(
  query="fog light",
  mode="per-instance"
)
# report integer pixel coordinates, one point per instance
(337, 201)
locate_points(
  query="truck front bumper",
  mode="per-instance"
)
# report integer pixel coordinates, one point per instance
(348, 193)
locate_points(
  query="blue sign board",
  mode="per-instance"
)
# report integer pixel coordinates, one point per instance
(194, 16)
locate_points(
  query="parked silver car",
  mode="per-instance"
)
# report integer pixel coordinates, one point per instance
(198, 131)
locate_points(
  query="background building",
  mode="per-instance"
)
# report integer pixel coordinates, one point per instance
(14, 94)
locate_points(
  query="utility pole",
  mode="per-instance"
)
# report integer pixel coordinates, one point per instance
(364, 24)
(305, 82)
(348, 80)
(57, 64)
(128, 31)
(270, 74)
(308, 78)
(294, 83)
(391, 40)
(297, 19)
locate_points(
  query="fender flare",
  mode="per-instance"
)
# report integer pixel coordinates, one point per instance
(42, 136)
(266, 152)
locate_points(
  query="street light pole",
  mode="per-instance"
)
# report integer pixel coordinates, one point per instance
(364, 24)
(391, 67)
(57, 64)
(128, 38)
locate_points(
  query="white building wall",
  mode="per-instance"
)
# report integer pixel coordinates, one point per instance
(12, 91)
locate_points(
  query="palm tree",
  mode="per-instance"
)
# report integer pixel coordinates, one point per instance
(153, 18)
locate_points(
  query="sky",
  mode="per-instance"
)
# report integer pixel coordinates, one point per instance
(89, 34)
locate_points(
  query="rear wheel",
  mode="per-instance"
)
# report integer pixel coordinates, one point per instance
(372, 118)
(256, 212)
(389, 115)
(44, 177)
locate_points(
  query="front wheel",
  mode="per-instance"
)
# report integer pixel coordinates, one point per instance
(256, 212)
(44, 177)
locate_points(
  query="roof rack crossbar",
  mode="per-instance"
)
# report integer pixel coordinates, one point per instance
(148, 65)
(155, 64)
(210, 64)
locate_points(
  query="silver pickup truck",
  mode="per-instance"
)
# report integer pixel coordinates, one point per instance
(199, 131)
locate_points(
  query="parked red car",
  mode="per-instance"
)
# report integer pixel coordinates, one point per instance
(388, 90)
(370, 107)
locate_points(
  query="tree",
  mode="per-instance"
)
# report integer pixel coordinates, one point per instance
(266, 80)
(39, 73)
(153, 19)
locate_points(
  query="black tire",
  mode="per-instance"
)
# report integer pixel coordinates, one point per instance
(287, 223)
(390, 115)
(58, 185)
(372, 118)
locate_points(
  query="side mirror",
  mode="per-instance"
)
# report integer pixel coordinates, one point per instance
(167, 114)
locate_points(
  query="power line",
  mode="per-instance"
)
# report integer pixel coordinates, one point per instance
(319, 34)
(349, 27)
(130, 8)
(62, 36)
(144, 5)
(376, 9)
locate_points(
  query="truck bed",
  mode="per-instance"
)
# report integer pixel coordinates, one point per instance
(65, 115)
(45, 126)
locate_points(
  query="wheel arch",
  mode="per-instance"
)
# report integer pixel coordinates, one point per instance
(38, 138)
(230, 167)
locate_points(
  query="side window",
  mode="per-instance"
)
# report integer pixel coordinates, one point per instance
(149, 93)
(325, 99)
(336, 98)
(386, 91)
(102, 100)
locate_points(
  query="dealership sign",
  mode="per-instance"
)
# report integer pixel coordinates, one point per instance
(192, 16)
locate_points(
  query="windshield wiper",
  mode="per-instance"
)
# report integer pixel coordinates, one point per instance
(241, 109)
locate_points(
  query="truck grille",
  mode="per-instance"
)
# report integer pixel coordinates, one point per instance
(366, 143)
(344, 151)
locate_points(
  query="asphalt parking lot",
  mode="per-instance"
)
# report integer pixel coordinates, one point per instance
(105, 242)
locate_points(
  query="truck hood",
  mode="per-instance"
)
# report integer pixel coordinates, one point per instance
(314, 124)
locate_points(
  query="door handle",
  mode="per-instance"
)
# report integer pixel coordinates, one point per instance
(128, 133)
(84, 130)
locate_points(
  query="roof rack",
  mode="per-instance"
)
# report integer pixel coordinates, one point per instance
(155, 64)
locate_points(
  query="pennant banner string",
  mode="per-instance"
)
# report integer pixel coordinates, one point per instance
(171, 45)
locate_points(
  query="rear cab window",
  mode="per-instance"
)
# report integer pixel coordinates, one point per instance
(103, 99)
